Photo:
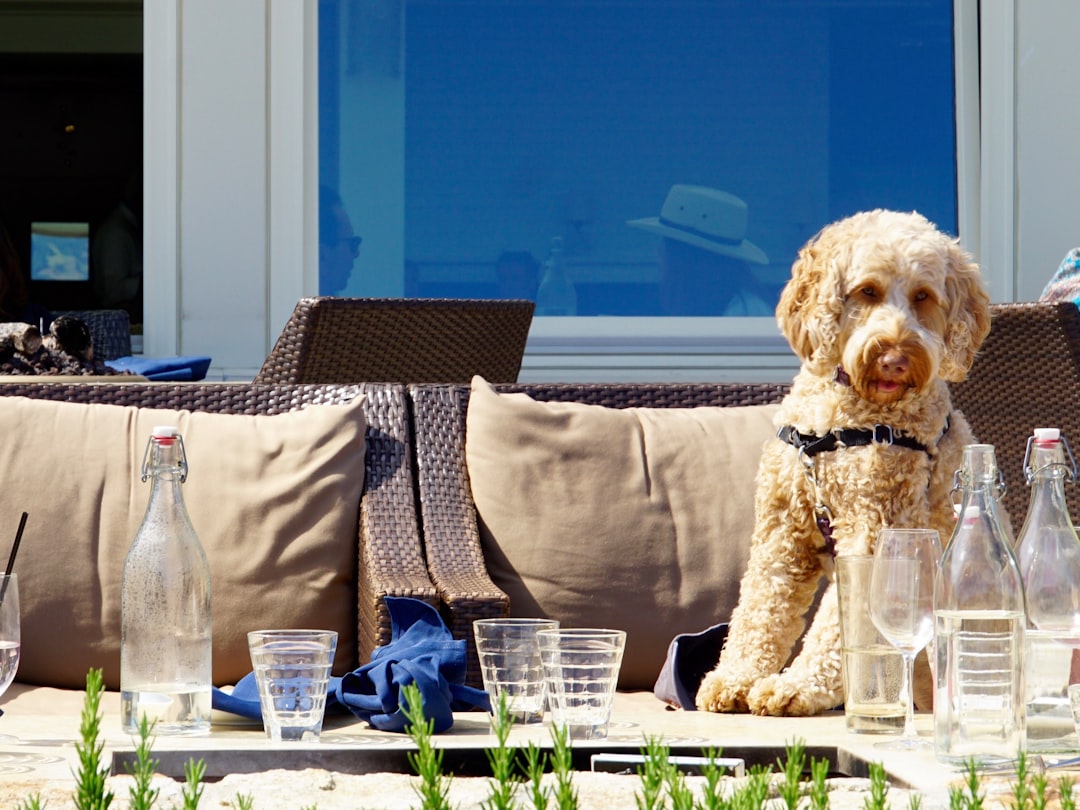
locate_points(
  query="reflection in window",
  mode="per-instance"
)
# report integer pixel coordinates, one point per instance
(679, 151)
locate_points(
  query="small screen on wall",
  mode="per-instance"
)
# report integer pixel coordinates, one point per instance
(60, 251)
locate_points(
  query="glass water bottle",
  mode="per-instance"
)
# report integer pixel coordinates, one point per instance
(556, 294)
(165, 638)
(979, 627)
(1048, 552)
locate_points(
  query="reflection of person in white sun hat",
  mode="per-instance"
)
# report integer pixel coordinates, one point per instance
(705, 256)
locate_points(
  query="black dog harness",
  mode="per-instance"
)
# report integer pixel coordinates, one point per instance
(809, 445)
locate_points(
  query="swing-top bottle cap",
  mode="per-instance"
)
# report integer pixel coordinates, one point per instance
(165, 432)
(971, 515)
(1047, 434)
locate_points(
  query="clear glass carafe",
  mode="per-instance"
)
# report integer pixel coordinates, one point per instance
(979, 620)
(165, 643)
(1048, 552)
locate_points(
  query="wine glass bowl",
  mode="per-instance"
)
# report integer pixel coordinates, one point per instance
(901, 606)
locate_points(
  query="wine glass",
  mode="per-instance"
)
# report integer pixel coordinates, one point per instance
(9, 635)
(901, 605)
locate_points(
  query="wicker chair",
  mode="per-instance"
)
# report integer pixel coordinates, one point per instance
(390, 557)
(451, 538)
(403, 340)
(1026, 375)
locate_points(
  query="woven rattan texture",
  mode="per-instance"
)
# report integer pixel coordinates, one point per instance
(110, 329)
(389, 554)
(1026, 375)
(448, 514)
(404, 340)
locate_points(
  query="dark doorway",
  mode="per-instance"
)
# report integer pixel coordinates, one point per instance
(70, 148)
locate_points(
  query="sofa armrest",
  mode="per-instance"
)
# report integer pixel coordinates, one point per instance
(391, 558)
(451, 538)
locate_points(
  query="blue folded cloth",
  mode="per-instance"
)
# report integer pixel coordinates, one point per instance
(421, 650)
(184, 368)
(690, 657)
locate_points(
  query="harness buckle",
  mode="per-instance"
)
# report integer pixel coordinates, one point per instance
(883, 434)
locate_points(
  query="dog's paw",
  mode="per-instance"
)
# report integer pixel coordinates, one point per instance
(783, 696)
(720, 693)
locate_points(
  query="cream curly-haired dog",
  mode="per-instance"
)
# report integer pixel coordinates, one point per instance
(883, 310)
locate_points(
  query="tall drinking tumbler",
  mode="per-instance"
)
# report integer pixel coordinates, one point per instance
(872, 668)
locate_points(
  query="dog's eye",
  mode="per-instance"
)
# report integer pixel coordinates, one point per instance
(920, 296)
(868, 292)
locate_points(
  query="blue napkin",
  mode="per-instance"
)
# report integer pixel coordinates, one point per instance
(183, 368)
(421, 650)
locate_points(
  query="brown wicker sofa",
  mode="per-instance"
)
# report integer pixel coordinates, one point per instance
(385, 547)
(1027, 375)
(415, 458)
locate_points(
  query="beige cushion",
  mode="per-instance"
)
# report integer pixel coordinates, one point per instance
(274, 500)
(638, 519)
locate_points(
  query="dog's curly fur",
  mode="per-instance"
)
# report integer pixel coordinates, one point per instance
(883, 311)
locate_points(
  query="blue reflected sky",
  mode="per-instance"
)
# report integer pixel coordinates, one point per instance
(457, 131)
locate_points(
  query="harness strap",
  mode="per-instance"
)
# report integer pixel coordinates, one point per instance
(810, 444)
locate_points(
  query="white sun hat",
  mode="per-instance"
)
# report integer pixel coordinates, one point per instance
(706, 218)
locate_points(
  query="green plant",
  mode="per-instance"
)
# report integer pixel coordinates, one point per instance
(967, 796)
(562, 765)
(141, 795)
(1021, 787)
(501, 760)
(244, 802)
(1065, 793)
(711, 796)
(753, 796)
(819, 785)
(32, 803)
(90, 792)
(535, 765)
(427, 760)
(1039, 784)
(651, 774)
(879, 788)
(191, 792)
(792, 767)
(680, 794)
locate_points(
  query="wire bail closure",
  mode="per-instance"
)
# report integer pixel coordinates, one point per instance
(957, 486)
(1070, 467)
(182, 464)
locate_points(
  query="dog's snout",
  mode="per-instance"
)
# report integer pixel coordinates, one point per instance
(893, 362)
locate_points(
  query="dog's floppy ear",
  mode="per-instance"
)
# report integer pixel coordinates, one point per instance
(969, 313)
(811, 303)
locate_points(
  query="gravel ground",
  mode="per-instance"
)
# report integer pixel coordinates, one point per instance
(303, 790)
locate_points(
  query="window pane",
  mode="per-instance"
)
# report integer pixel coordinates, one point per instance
(679, 152)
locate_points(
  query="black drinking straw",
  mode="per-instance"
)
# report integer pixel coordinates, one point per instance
(11, 557)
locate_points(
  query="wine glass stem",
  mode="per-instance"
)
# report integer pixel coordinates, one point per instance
(909, 698)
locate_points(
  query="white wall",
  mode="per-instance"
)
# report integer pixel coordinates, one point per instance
(230, 176)
(1047, 140)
